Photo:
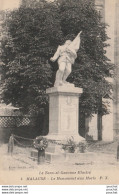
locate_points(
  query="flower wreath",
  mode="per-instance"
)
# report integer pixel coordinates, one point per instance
(40, 143)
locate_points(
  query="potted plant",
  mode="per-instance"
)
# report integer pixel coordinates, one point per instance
(82, 147)
(70, 146)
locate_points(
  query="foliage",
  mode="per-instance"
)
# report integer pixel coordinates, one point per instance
(82, 147)
(32, 38)
(70, 145)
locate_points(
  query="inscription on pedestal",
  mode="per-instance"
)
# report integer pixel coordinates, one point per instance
(68, 118)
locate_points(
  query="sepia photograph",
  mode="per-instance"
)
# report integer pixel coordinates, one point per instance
(59, 92)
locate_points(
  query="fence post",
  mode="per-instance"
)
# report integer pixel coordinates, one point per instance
(41, 156)
(11, 144)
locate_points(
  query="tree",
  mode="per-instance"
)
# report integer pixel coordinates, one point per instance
(33, 36)
(25, 52)
(92, 67)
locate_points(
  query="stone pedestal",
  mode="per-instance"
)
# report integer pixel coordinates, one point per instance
(63, 116)
(63, 112)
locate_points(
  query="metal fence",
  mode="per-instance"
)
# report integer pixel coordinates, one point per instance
(17, 121)
(25, 126)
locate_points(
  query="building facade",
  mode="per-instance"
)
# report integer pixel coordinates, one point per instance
(110, 14)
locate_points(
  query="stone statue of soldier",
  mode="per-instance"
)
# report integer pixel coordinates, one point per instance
(66, 55)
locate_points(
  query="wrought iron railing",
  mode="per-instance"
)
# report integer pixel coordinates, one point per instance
(17, 121)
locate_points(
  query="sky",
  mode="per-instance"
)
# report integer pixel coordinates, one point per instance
(9, 4)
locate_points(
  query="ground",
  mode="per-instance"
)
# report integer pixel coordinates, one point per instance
(97, 154)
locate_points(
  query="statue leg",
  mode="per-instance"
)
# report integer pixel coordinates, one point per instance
(59, 74)
(67, 72)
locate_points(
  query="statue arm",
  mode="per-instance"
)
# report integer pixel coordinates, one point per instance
(56, 55)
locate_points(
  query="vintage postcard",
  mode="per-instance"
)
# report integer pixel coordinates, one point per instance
(59, 92)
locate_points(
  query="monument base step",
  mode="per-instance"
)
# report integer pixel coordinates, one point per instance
(74, 158)
(64, 137)
(54, 157)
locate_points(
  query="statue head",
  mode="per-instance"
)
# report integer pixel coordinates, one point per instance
(68, 42)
